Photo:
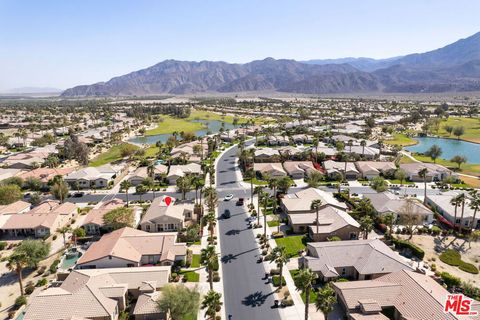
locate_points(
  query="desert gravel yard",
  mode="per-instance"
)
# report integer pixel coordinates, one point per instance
(470, 253)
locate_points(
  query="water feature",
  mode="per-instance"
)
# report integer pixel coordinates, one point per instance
(70, 259)
(450, 148)
(213, 126)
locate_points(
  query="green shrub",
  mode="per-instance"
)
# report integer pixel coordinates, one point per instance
(468, 267)
(450, 280)
(436, 230)
(403, 244)
(287, 302)
(451, 257)
(276, 281)
(54, 266)
(20, 301)
(3, 245)
(42, 282)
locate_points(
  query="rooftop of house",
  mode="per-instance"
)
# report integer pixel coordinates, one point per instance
(370, 256)
(302, 200)
(91, 293)
(432, 168)
(414, 296)
(386, 202)
(95, 216)
(330, 219)
(131, 244)
(159, 208)
(375, 166)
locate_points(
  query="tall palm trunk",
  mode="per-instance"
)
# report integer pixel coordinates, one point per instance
(20, 279)
(281, 276)
(210, 277)
(473, 219)
(455, 218)
(425, 190)
(307, 301)
(461, 218)
(258, 209)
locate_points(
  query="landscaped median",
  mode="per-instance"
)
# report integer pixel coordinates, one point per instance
(454, 258)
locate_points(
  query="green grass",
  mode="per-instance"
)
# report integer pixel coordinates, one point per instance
(405, 160)
(401, 139)
(396, 181)
(466, 168)
(256, 181)
(191, 276)
(293, 244)
(151, 152)
(171, 124)
(471, 125)
(113, 154)
(273, 223)
(195, 261)
(209, 115)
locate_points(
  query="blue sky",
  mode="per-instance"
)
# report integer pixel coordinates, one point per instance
(65, 43)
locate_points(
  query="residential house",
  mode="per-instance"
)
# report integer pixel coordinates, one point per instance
(365, 152)
(138, 176)
(266, 155)
(178, 171)
(441, 204)
(326, 150)
(402, 294)
(99, 294)
(93, 222)
(41, 221)
(331, 222)
(128, 247)
(335, 170)
(272, 170)
(435, 172)
(188, 149)
(388, 203)
(93, 177)
(301, 201)
(44, 175)
(353, 259)
(167, 216)
(372, 169)
(298, 169)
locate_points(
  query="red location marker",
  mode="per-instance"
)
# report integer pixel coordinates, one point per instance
(167, 200)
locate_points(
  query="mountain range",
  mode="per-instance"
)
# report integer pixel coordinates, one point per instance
(453, 68)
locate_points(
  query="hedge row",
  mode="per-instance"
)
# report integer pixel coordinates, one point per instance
(402, 244)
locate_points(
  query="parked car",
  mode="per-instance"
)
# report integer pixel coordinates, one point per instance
(226, 214)
(240, 202)
(228, 197)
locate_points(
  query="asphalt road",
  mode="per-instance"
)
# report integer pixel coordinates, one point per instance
(247, 293)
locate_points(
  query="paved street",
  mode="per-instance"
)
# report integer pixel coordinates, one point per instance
(247, 293)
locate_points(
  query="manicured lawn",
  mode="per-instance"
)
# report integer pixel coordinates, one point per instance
(191, 276)
(396, 181)
(256, 182)
(171, 124)
(195, 261)
(293, 244)
(151, 151)
(209, 115)
(466, 168)
(471, 182)
(113, 154)
(273, 223)
(401, 139)
(471, 125)
(405, 160)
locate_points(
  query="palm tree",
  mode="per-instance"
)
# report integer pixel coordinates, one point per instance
(422, 173)
(184, 185)
(17, 261)
(250, 172)
(315, 205)
(474, 205)
(280, 256)
(366, 225)
(210, 220)
(265, 197)
(125, 185)
(462, 201)
(455, 201)
(258, 191)
(326, 300)
(273, 185)
(210, 198)
(63, 231)
(212, 303)
(209, 258)
(363, 143)
(388, 219)
(304, 282)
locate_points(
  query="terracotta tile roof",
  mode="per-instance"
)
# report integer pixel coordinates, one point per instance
(414, 295)
(16, 207)
(95, 216)
(131, 244)
(147, 304)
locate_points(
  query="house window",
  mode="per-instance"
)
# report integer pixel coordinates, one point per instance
(171, 226)
(159, 227)
(343, 271)
(147, 227)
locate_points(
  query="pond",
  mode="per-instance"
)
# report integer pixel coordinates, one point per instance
(213, 126)
(450, 148)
